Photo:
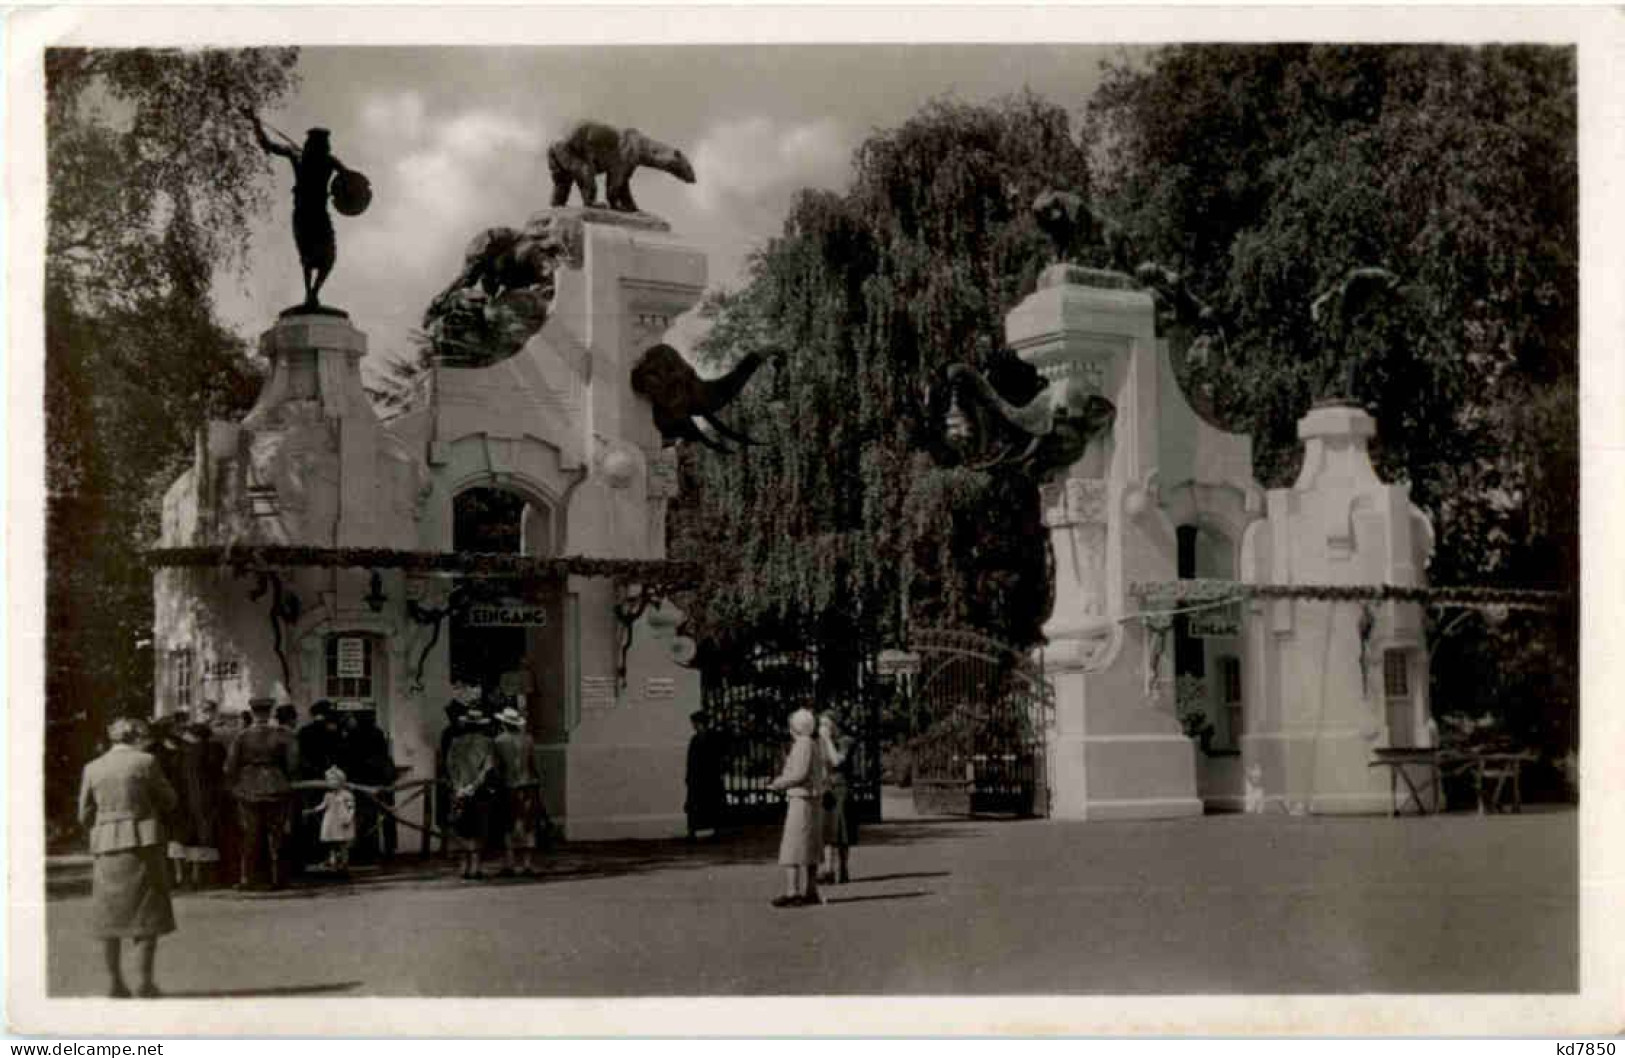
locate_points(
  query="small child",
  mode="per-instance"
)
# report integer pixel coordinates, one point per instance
(338, 821)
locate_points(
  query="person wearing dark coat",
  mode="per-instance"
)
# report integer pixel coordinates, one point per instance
(704, 779)
(367, 762)
(471, 774)
(260, 767)
(318, 751)
(123, 802)
(199, 770)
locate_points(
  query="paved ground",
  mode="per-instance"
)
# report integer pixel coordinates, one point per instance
(1225, 904)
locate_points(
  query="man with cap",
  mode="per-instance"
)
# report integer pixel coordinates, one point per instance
(520, 773)
(259, 768)
(455, 711)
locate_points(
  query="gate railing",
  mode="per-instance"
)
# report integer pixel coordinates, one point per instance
(748, 704)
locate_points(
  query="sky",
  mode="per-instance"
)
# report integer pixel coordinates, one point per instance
(454, 141)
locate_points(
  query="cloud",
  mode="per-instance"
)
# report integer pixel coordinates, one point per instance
(756, 164)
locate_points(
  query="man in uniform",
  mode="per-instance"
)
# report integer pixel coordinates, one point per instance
(260, 767)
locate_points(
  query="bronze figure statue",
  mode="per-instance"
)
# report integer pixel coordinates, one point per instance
(685, 405)
(591, 147)
(314, 172)
(1074, 226)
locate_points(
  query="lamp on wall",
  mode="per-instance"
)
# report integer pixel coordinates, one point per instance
(375, 597)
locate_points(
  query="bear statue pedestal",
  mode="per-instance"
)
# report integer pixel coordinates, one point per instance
(1114, 753)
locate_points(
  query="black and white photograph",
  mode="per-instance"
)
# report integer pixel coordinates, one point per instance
(1059, 521)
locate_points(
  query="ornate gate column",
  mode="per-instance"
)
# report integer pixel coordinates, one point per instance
(1112, 754)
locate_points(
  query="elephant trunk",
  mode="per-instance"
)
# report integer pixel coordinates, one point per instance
(718, 392)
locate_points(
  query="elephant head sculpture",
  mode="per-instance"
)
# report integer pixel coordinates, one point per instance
(685, 405)
(1043, 434)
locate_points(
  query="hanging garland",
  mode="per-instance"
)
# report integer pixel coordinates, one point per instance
(1200, 594)
(667, 574)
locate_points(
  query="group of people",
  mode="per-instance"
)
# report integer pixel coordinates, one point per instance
(492, 780)
(186, 792)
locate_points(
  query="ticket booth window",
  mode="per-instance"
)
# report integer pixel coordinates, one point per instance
(1396, 689)
(349, 667)
(180, 678)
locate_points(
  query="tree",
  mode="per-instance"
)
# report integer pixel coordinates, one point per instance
(841, 527)
(153, 178)
(1265, 173)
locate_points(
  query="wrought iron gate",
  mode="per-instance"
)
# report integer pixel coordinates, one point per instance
(976, 711)
(748, 701)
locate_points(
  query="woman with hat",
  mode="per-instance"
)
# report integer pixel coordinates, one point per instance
(471, 773)
(199, 766)
(123, 798)
(840, 826)
(802, 781)
(520, 774)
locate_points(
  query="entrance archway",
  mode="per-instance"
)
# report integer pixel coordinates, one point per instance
(507, 647)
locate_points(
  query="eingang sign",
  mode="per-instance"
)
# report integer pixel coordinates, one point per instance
(506, 615)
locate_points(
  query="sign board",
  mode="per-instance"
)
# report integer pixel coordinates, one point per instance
(222, 669)
(897, 663)
(506, 615)
(352, 658)
(597, 692)
(660, 687)
(353, 705)
(1221, 622)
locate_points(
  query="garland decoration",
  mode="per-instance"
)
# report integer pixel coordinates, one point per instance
(1202, 593)
(667, 574)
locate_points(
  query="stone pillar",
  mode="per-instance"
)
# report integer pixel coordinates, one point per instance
(625, 756)
(1321, 663)
(1112, 753)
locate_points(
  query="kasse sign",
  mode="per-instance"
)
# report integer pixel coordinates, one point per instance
(506, 615)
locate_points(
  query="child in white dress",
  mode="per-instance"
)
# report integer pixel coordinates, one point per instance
(338, 821)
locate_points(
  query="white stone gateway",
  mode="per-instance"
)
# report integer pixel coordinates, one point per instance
(558, 424)
(1296, 698)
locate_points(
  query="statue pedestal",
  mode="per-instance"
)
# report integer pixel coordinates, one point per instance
(1114, 752)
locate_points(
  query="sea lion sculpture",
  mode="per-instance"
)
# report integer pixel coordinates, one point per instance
(592, 147)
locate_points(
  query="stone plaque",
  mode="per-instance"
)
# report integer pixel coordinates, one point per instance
(597, 692)
(663, 474)
(660, 687)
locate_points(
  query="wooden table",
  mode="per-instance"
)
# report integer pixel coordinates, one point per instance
(1399, 763)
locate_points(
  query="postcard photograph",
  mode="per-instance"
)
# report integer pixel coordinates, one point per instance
(790, 516)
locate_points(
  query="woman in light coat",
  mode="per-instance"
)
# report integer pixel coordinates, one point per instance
(802, 781)
(123, 799)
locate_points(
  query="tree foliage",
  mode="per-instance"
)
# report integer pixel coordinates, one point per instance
(153, 179)
(840, 526)
(1265, 173)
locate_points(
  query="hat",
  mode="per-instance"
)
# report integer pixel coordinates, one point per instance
(287, 709)
(320, 133)
(475, 715)
(261, 705)
(321, 707)
(802, 722)
(334, 774)
(510, 716)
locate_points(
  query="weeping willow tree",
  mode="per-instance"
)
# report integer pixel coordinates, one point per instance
(844, 525)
